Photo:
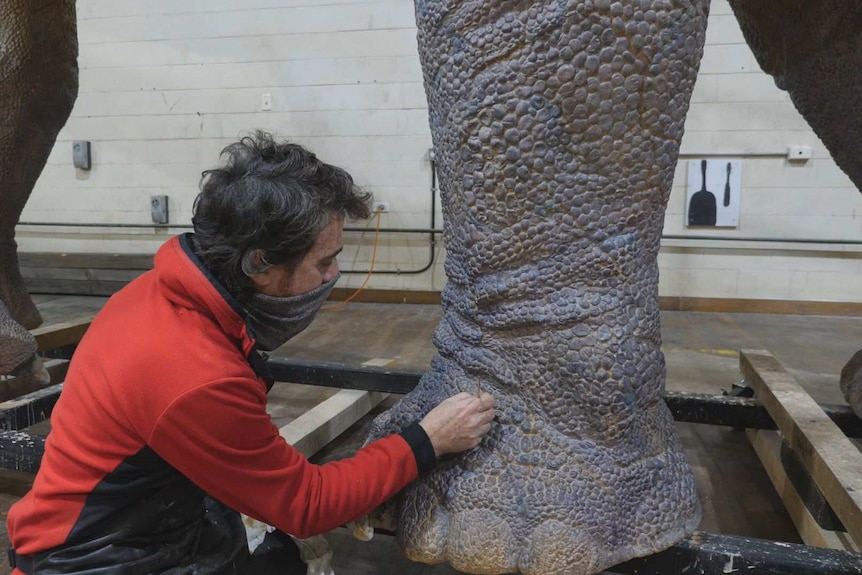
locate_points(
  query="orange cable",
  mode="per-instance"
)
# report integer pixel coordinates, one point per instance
(367, 277)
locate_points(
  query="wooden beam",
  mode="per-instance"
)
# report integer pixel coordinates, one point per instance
(13, 388)
(833, 462)
(312, 430)
(50, 337)
(85, 260)
(767, 446)
(736, 305)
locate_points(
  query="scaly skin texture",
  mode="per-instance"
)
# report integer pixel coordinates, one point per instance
(557, 128)
(38, 86)
(851, 382)
(17, 345)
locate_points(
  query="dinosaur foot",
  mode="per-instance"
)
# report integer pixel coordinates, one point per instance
(535, 501)
(17, 345)
(851, 382)
(13, 293)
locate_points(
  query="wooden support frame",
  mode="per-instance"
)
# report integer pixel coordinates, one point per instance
(767, 445)
(61, 334)
(14, 389)
(833, 462)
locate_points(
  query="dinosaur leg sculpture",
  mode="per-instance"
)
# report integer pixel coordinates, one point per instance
(38, 86)
(557, 127)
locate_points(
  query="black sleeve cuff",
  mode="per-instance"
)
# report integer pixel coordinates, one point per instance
(420, 443)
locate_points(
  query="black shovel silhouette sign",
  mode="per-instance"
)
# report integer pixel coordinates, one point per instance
(702, 208)
(727, 187)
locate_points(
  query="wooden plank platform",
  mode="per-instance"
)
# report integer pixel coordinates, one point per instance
(56, 335)
(834, 463)
(767, 445)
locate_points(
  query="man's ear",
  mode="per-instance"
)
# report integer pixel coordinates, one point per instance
(263, 278)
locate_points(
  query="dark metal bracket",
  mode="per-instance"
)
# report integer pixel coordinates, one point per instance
(713, 554)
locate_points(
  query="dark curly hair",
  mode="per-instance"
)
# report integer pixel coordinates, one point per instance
(269, 196)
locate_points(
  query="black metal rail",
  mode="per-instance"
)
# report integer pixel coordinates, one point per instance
(29, 409)
(739, 412)
(713, 554)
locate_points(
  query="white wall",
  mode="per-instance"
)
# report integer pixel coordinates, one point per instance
(165, 84)
(737, 112)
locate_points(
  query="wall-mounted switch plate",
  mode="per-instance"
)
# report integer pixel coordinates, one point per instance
(159, 209)
(81, 154)
(266, 102)
(799, 153)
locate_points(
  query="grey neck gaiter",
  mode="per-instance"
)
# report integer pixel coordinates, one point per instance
(274, 320)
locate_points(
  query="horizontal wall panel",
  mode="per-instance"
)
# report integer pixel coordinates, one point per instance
(205, 151)
(732, 88)
(290, 124)
(701, 142)
(371, 97)
(249, 22)
(106, 9)
(316, 72)
(748, 116)
(247, 49)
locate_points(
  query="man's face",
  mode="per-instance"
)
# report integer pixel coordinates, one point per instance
(318, 266)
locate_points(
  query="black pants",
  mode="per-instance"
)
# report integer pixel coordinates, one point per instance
(222, 549)
(277, 555)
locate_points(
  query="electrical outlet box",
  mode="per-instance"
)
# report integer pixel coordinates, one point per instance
(159, 209)
(799, 153)
(81, 154)
(382, 207)
(266, 102)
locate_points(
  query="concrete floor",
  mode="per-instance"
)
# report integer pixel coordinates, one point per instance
(701, 352)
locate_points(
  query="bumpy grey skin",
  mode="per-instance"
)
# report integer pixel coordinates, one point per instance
(17, 345)
(38, 86)
(851, 382)
(557, 128)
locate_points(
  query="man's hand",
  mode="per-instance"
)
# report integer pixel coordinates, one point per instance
(459, 422)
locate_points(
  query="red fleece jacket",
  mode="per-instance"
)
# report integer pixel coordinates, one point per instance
(164, 366)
